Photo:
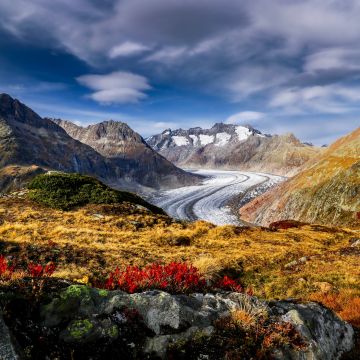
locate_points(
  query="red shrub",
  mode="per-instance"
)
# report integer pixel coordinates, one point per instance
(38, 270)
(6, 270)
(228, 284)
(173, 277)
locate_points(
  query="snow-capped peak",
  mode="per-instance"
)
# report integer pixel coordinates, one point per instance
(243, 132)
(219, 135)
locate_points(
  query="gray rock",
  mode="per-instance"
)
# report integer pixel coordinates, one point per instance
(7, 348)
(89, 314)
(327, 335)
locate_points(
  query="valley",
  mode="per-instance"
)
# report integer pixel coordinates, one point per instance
(210, 200)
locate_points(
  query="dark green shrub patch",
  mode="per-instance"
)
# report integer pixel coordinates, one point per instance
(66, 191)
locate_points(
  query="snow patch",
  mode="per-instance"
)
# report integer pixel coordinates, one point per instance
(180, 140)
(222, 139)
(195, 139)
(242, 132)
(206, 139)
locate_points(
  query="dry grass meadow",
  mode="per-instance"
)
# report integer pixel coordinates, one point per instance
(311, 262)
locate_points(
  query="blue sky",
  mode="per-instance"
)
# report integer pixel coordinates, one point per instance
(279, 65)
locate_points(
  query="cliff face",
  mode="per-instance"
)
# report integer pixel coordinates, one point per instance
(327, 191)
(28, 140)
(125, 148)
(233, 147)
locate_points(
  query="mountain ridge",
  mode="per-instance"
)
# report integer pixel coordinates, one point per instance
(27, 140)
(233, 147)
(124, 147)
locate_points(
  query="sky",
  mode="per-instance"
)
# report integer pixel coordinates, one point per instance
(279, 65)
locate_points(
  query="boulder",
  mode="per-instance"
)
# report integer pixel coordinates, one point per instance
(90, 314)
(7, 347)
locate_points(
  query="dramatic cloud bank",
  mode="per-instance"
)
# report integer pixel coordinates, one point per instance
(293, 59)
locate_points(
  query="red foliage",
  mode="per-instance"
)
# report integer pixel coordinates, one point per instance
(285, 224)
(173, 277)
(228, 284)
(6, 270)
(38, 270)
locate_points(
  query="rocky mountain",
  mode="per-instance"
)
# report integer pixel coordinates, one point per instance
(128, 150)
(27, 140)
(327, 191)
(229, 146)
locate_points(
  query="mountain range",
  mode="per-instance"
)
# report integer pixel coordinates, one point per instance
(327, 191)
(234, 147)
(128, 151)
(30, 144)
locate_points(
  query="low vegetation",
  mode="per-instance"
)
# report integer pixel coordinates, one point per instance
(87, 243)
(66, 191)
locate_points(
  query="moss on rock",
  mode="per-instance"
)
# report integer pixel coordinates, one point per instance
(80, 328)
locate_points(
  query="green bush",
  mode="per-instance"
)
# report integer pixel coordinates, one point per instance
(65, 191)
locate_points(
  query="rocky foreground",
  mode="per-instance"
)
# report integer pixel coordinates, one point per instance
(81, 322)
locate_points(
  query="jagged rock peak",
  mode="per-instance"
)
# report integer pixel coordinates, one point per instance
(110, 130)
(12, 110)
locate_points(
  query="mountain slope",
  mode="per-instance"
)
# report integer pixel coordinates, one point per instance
(327, 191)
(128, 150)
(233, 147)
(28, 140)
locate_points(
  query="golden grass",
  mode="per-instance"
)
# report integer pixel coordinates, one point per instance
(93, 240)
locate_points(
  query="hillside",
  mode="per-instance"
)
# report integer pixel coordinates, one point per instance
(233, 147)
(26, 140)
(326, 192)
(90, 241)
(127, 149)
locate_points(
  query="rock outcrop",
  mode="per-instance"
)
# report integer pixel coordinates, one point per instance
(233, 147)
(327, 191)
(147, 325)
(8, 350)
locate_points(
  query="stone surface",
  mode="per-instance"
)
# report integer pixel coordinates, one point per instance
(91, 314)
(7, 348)
(328, 336)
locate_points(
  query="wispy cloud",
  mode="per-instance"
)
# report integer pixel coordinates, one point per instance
(117, 87)
(245, 116)
(128, 48)
(330, 99)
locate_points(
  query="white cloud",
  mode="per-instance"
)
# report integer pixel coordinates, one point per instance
(248, 80)
(244, 116)
(117, 87)
(168, 54)
(333, 58)
(322, 99)
(128, 48)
